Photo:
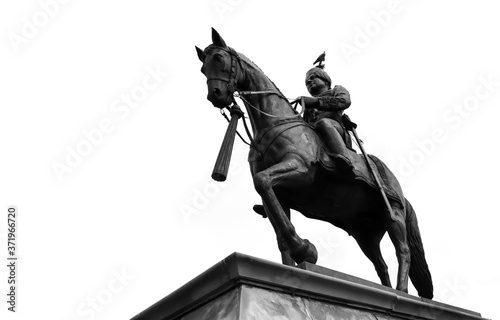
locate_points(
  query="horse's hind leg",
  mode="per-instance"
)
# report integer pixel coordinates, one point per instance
(291, 172)
(370, 245)
(397, 233)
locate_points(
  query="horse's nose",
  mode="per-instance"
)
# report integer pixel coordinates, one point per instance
(214, 94)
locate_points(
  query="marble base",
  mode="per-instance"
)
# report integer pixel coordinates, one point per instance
(242, 287)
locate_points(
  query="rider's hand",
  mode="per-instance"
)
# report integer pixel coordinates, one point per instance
(296, 100)
(310, 102)
(348, 124)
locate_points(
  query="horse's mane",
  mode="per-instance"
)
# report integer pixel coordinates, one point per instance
(251, 63)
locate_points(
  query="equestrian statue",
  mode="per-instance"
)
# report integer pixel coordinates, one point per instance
(305, 162)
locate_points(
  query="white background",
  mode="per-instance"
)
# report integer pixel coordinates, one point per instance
(142, 204)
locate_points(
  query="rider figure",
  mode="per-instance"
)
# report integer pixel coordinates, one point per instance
(324, 110)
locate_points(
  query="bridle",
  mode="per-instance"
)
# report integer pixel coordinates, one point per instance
(233, 78)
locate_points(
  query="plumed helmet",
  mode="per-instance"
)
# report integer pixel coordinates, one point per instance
(320, 73)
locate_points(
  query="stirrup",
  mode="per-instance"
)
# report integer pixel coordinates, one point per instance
(343, 164)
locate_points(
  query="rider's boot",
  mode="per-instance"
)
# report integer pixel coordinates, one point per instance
(343, 164)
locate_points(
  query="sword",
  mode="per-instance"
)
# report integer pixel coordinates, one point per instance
(352, 128)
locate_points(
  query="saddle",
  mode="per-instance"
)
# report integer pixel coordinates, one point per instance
(362, 172)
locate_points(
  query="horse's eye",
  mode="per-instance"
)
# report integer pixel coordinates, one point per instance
(218, 57)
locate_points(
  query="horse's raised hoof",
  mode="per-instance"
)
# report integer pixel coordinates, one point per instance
(305, 253)
(258, 208)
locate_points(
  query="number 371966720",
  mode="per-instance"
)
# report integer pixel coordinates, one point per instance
(11, 228)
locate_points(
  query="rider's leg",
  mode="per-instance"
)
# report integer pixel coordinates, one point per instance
(329, 130)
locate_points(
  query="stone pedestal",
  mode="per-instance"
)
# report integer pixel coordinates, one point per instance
(248, 288)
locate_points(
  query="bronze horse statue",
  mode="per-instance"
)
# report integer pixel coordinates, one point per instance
(291, 169)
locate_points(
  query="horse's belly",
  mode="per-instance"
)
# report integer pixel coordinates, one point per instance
(344, 205)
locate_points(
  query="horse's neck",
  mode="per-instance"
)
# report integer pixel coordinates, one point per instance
(267, 104)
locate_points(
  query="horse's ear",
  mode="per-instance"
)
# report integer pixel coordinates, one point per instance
(217, 39)
(201, 54)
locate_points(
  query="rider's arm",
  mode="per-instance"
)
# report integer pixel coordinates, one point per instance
(337, 99)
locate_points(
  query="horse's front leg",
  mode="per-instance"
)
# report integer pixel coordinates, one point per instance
(286, 259)
(291, 172)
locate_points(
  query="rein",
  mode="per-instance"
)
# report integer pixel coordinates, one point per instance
(240, 95)
(243, 93)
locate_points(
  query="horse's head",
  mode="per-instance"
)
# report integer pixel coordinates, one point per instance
(222, 67)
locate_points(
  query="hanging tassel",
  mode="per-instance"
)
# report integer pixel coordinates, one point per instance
(221, 167)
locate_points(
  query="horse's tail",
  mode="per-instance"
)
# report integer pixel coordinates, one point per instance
(419, 270)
